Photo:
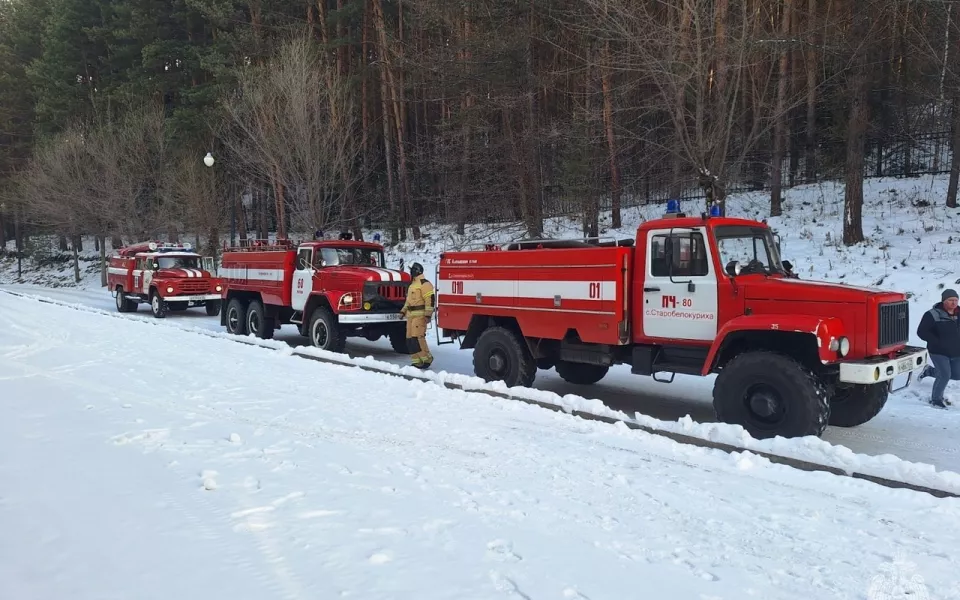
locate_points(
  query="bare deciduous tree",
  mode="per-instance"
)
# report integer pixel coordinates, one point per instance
(707, 64)
(292, 123)
(103, 179)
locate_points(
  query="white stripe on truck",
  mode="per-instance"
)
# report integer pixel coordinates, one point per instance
(567, 290)
(251, 274)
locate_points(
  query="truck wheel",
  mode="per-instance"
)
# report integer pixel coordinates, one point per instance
(124, 305)
(771, 394)
(500, 355)
(157, 305)
(857, 404)
(257, 322)
(398, 340)
(212, 307)
(236, 317)
(581, 373)
(324, 332)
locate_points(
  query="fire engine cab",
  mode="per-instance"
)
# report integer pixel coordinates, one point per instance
(329, 289)
(169, 277)
(691, 295)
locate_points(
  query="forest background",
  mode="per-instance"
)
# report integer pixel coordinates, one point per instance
(395, 114)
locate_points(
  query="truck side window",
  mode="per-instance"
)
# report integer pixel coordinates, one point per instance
(687, 256)
(303, 259)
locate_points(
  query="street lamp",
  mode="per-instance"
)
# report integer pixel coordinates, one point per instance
(209, 160)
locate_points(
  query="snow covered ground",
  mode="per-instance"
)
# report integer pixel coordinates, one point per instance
(149, 462)
(913, 247)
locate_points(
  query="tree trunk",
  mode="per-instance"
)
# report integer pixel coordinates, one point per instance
(607, 86)
(263, 218)
(780, 116)
(64, 245)
(77, 242)
(102, 242)
(116, 242)
(533, 207)
(398, 229)
(810, 147)
(365, 118)
(3, 233)
(856, 130)
(76, 262)
(281, 205)
(955, 158)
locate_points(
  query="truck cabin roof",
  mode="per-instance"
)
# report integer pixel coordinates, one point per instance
(342, 244)
(690, 222)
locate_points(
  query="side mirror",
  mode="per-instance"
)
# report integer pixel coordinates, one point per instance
(788, 265)
(401, 264)
(733, 268)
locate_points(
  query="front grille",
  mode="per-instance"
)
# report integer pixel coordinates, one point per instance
(392, 292)
(894, 324)
(187, 286)
(385, 296)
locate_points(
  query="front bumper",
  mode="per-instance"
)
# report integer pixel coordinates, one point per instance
(882, 369)
(369, 318)
(193, 298)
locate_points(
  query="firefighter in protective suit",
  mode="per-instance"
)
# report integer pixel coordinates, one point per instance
(418, 310)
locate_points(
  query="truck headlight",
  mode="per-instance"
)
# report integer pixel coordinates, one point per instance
(169, 289)
(219, 288)
(844, 346)
(347, 299)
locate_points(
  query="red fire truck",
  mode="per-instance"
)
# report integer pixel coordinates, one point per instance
(167, 276)
(690, 295)
(330, 289)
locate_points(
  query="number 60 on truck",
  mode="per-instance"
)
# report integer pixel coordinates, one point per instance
(690, 295)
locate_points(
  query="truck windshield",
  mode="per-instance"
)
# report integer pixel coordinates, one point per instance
(752, 248)
(178, 262)
(367, 257)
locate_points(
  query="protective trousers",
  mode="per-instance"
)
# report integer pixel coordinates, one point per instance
(417, 341)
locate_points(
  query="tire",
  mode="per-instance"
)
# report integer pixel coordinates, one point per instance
(398, 340)
(212, 307)
(857, 404)
(581, 373)
(501, 355)
(324, 331)
(157, 305)
(236, 317)
(771, 394)
(124, 305)
(258, 323)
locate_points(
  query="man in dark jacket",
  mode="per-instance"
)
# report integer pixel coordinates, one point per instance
(940, 329)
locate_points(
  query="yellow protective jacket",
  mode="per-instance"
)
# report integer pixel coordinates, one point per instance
(420, 298)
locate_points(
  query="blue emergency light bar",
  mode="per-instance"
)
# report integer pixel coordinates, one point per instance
(715, 210)
(673, 206)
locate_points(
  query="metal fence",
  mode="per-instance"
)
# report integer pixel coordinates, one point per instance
(891, 156)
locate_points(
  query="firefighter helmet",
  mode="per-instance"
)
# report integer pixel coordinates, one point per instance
(416, 269)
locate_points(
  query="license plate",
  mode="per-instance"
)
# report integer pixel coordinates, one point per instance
(904, 365)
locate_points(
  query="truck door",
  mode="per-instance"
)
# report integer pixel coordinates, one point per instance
(147, 272)
(209, 266)
(302, 278)
(679, 286)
